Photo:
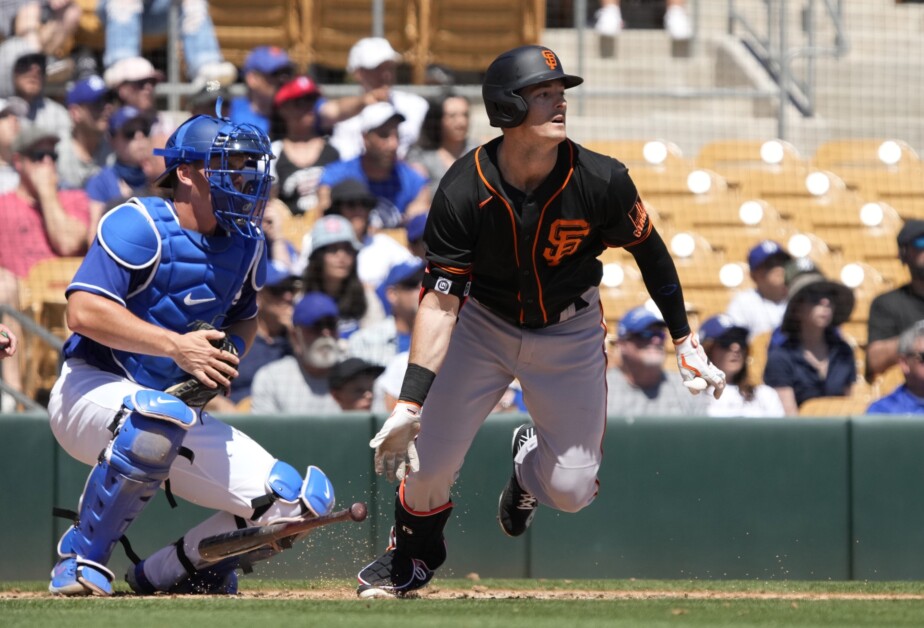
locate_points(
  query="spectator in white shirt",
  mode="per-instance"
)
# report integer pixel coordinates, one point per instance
(761, 310)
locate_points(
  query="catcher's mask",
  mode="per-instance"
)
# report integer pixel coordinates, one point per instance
(512, 71)
(236, 158)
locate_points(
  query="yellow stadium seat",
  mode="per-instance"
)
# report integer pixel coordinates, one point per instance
(736, 159)
(331, 29)
(642, 154)
(843, 155)
(242, 25)
(835, 406)
(468, 34)
(41, 296)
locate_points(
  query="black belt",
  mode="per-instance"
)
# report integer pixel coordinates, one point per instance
(578, 303)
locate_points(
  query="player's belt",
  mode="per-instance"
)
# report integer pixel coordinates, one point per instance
(578, 304)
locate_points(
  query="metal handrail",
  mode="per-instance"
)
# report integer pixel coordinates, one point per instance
(41, 332)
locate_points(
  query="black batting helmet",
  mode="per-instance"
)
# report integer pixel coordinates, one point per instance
(512, 71)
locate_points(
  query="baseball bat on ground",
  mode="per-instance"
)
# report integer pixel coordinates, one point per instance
(247, 539)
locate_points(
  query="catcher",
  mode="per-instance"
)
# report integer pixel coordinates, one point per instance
(141, 364)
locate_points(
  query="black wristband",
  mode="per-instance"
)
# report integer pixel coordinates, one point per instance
(416, 384)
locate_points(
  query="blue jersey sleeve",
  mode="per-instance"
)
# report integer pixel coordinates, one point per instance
(100, 274)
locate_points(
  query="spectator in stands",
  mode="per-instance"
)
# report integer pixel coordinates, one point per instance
(303, 151)
(401, 191)
(265, 70)
(726, 346)
(443, 138)
(11, 110)
(49, 24)
(400, 293)
(638, 386)
(809, 358)
(126, 22)
(129, 134)
(268, 68)
(898, 309)
(415, 230)
(39, 220)
(351, 383)
(380, 252)
(22, 74)
(908, 398)
(203, 102)
(279, 250)
(84, 151)
(132, 82)
(676, 20)
(374, 63)
(761, 310)
(332, 271)
(298, 384)
(272, 342)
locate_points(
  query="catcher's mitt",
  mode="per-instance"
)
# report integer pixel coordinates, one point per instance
(192, 392)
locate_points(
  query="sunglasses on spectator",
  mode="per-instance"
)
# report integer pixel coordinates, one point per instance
(282, 290)
(142, 83)
(726, 342)
(40, 155)
(24, 64)
(326, 323)
(817, 297)
(646, 336)
(130, 131)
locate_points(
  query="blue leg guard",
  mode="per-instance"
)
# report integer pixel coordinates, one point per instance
(128, 474)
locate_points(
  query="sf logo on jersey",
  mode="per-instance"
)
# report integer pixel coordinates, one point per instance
(565, 236)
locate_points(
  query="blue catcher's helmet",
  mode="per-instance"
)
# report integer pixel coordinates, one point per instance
(236, 158)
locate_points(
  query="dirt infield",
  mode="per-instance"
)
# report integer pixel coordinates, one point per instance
(478, 592)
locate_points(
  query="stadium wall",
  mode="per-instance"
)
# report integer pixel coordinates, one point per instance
(774, 499)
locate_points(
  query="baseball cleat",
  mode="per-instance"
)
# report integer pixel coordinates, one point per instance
(516, 507)
(392, 575)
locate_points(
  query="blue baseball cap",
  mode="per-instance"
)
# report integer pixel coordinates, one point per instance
(415, 227)
(764, 251)
(277, 275)
(267, 59)
(408, 272)
(638, 320)
(314, 307)
(720, 326)
(123, 116)
(88, 90)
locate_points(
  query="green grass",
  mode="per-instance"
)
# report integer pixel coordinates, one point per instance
(672, 610)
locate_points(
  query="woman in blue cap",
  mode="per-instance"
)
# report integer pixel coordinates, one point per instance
(726, 345)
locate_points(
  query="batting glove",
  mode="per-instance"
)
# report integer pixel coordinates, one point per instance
(697, 371)
(395, 453)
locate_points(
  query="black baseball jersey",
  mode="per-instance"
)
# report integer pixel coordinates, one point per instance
(530, 256)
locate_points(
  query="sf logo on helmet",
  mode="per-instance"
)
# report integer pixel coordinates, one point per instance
(550, 59)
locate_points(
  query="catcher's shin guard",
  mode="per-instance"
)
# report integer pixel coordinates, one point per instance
(416, 550)
(129, 472)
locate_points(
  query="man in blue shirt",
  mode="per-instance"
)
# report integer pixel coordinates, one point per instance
(909, 397)
(402, 192)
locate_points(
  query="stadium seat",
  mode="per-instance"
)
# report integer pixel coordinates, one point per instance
(642, 154)
(242, 25)
(331, 29)
(467, 35)
(41, 297)
(835, 407)
(857, 155)
(737, 159)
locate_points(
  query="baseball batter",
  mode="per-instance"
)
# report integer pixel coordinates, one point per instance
(165, 301)
(514, 233)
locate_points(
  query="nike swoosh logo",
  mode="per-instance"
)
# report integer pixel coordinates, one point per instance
(327, 491)
(189, 300)
(165, 400)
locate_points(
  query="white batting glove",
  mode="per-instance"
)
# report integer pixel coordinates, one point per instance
(697, 371)
(395, 453)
